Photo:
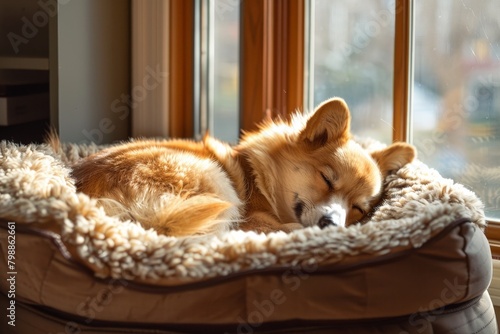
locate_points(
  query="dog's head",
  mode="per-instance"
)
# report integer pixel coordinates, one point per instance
(328, 179)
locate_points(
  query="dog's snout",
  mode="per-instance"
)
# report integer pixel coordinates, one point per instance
(326, 221)
(333, 215)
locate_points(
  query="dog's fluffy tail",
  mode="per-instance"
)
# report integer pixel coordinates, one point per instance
(52, 139)
(175, 215)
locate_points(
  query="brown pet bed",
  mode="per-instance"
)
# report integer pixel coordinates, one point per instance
(420, 263)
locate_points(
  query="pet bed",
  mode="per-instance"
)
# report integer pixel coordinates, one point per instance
(419, 263)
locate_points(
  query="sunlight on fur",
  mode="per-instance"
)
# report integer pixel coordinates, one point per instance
(287, 175)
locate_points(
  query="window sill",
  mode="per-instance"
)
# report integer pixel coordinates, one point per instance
(493, 235)
(494, 289)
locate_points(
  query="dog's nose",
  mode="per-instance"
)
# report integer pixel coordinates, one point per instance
(326, 221)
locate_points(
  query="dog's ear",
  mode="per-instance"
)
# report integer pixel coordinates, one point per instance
(394, 157)
(330, 122)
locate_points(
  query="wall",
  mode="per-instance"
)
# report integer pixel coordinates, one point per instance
(91, 70)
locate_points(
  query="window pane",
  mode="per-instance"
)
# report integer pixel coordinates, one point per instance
(456, 107)
(226, 73)
(353, 59)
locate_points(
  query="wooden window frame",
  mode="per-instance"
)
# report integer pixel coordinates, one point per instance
(403, 70)
(181, 68)
(271, 77)
(271, 67)
(493, 235)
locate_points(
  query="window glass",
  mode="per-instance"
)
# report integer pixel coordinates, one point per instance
(226, 73)
(456, 93)
(353, 59)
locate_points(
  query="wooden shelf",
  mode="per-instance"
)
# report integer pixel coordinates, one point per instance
(24, 63)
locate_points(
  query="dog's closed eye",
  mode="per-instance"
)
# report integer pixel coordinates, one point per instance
(359, 209)
(328, 182)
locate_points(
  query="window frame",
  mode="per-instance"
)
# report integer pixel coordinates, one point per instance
(181, 68)
(271, 68)
(493, 235)
(403, 70)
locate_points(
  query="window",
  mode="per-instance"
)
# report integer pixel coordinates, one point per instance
(426, 71)
(456, 93)
(353, 59)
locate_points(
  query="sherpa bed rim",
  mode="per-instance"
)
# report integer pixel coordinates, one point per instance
(165, 328)
(326, 269)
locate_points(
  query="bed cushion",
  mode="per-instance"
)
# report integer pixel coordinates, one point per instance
(422, 248)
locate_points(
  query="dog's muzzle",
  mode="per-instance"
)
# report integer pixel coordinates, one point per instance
(331, 214)
(335, 215)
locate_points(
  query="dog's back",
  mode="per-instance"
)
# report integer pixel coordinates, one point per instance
(287, 175)
(176, 187)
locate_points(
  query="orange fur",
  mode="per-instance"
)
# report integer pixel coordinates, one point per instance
(287, 175)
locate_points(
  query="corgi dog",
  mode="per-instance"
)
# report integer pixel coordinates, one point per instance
(287, 175)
